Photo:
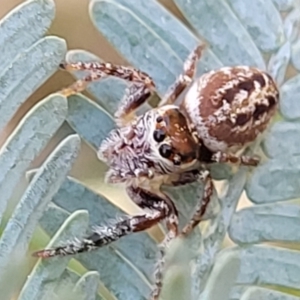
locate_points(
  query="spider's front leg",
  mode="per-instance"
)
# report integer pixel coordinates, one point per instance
(157, 210)
(189, 71)
(136, 94)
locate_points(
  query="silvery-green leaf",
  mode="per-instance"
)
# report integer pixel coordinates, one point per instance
(89, 120)
(283, 139)
(185, 198)
(28, 139)
(290, 94)
(161, 58)
(13, 275)
(153, 55)
(65, 286)
(226, 36)
(44, 275)
(121, 259)
(255, 293)
(39, 193)
(237, 291)
(86, 282)
(261, 223)
(295, 58)
(108, 91)
(177, 283)
(220, 171)
(276, 180)
(222, 278)
(279, 61)
(87, 285)
(22, 27)
(265, 265)
(27, 72)
(177, 273)
(214, 234)
(171, 31)
(163, 66)
(284, 5)
(69, 274)
(53, 217)
(292, 25)
(262, 21)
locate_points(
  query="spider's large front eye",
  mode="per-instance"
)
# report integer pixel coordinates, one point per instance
(159, 119)
(159, 135)
(165, 150)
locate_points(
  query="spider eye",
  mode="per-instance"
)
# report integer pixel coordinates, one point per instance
(165, 150)
(159, 135)
(159, 119)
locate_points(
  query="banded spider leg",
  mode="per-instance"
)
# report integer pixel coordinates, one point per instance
(136, 94)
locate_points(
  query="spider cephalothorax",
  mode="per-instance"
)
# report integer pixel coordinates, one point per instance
(154, 144)
(222, 112)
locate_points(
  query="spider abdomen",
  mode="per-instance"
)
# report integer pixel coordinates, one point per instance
(231, 106)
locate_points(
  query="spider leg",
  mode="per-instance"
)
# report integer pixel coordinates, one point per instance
(172, 226)
(159, 267)
(234, 159)
(202, 204)
(157, 210)
(81, 84)
(145, 200)
(189, 70)
(136, 94)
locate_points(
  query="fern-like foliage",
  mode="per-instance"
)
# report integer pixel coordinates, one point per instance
(264, 34)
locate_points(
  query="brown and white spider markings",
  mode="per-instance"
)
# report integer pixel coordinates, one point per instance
(222, 112)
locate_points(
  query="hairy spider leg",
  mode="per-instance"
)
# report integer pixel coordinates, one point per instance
(184, 79)
(140, 89)
(145, 200)
(157, 210)
(81, 84)
(172, 226)
(204, 200)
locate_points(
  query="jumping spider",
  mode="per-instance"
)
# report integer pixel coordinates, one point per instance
(222, 112)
